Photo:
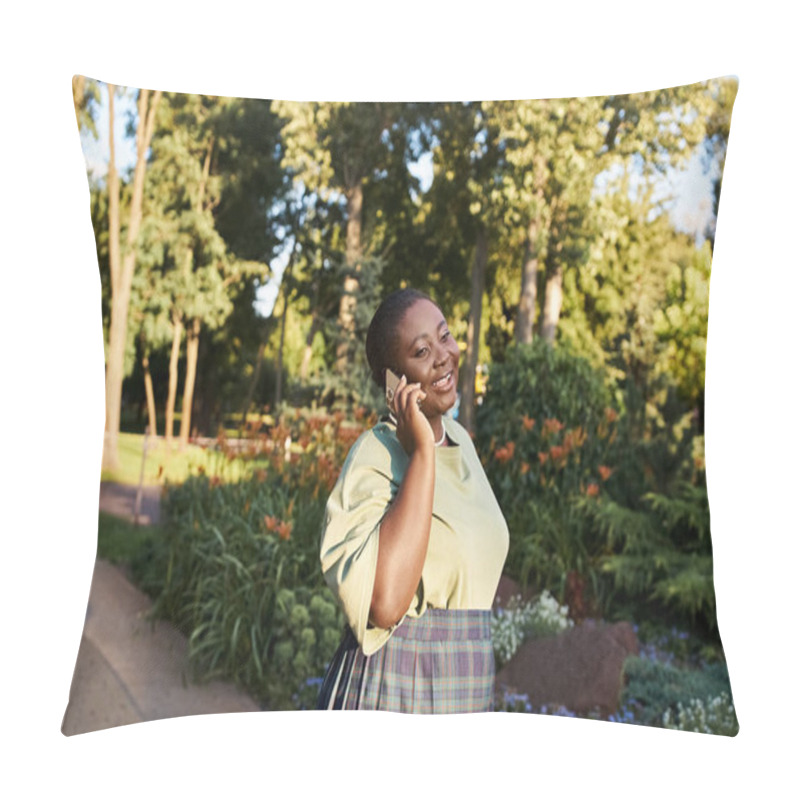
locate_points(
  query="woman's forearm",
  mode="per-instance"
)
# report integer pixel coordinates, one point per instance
(403, 541)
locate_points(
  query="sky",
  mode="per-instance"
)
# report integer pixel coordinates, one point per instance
(54, 399)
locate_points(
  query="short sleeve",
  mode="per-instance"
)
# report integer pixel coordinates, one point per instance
(350, 533)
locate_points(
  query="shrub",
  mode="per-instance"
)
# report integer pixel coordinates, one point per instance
(660, 551)
(714, 715)
(654, 688)
(545, 431)
(604, 507)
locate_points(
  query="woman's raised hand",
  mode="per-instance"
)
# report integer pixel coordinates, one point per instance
(413, 429)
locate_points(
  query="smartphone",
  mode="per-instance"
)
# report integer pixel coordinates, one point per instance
(391, 386)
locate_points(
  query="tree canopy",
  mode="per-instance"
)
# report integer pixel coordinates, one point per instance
(548, 219)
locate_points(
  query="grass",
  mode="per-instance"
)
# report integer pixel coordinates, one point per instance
(161, 464)
(120, 541)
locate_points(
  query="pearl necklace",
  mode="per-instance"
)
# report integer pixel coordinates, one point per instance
(444, 436)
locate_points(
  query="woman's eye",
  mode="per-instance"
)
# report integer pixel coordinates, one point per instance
(421, 352)
(446, 336)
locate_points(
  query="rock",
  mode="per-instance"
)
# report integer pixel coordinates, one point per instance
(581, 669)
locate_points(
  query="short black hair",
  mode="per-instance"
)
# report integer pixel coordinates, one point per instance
(385, 321)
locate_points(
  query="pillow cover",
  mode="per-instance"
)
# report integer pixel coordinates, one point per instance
(243, 246)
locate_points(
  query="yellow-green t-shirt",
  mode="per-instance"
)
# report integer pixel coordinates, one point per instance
(468, 541)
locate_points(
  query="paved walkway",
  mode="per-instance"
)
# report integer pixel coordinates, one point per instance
(130, 669)
(120, 499)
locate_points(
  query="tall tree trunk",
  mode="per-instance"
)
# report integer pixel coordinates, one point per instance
(121, 285)
(279, 365)
(305, 364)
(347, 305)
(262, 345)
(113, 198)
(172, 391)
(316, 323)
(192, 344)
(286, 291)
(113, 379)
(553, 297)
(469, 368)
(526, 312)
(149, 394)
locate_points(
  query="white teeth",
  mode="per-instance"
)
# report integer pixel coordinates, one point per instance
(443, 379)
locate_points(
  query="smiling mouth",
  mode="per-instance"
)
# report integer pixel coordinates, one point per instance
(443, 381)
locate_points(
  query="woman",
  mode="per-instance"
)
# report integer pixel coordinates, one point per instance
(413, 540)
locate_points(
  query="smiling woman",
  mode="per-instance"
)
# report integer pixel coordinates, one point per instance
(413, 541)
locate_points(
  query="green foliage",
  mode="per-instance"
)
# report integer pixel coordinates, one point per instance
(661, 551)
(656, 689)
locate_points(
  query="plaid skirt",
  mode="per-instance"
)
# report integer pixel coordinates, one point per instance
(439, 663)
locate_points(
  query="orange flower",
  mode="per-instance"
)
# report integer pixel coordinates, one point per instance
(525, 467)
(552, 426)
(542, 457)
(506, 453)
(574, 438)
(557, 452)
(605, 472)
(592, 490)
(611, 415)
(201, 470)
(215, 480)
(528, 422)
(284, 530)
(261, 475)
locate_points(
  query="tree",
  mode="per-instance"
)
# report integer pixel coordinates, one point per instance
(557, 152)
(463, 221)
(335, 149)
(122, 263)
(201, 145)
(550, 148)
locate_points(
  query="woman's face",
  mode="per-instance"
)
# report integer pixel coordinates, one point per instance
(426, 353)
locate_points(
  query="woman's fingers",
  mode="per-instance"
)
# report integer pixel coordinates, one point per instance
(413, 429)
(412, 393)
